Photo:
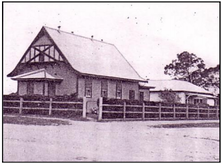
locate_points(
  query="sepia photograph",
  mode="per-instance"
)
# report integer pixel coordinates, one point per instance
(111, 81)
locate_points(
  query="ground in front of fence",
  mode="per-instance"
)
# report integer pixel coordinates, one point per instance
(113, 141)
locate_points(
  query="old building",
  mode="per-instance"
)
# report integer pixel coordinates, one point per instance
(187, 92)
(62, 63)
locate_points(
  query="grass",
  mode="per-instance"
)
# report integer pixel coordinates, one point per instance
(22, 120)
(189, 125)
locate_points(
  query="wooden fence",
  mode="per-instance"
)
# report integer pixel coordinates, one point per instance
(48, 107)
(148, 112)
(108, 111)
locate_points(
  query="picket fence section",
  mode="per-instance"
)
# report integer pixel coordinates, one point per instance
(148, 112)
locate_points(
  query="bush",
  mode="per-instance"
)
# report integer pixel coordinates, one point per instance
(72, 97)
(113, 101)
(11, 97)
(35, 97)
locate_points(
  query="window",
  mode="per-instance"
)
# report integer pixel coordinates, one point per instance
(104, 88)
(88, 87)
(30, 88)
(198, 101)
(141, 96)
(119, 90)
(51, 89)
(131, 94)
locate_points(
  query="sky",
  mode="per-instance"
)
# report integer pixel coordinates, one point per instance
(149, 35)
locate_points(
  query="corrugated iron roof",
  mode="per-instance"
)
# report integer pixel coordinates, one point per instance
(90, 56)
(38, 74)
(175, 85)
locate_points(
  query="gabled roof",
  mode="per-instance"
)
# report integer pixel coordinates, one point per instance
(176, 85)
(92, 57)
(41, 74)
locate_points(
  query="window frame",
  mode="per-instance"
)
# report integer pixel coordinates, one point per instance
(104, 88)
(132, 95)
(88, 86)
(197, 101)
(119, 88)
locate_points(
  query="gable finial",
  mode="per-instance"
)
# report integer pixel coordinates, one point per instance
(59, 28)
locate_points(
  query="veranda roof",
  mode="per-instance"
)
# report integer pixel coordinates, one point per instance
(40, 74)
(93, 57)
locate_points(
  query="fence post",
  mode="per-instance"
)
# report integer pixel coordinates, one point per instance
(50, 106)
(100, 108)
(217, 112)
(160, 111)
(198, 112)
(20, 105)
(84, 108)
(124, 110)
(143, 110)
(208, 112)
(174, 112)
(187, 112)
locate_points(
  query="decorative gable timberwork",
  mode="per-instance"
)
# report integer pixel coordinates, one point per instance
(42, 51)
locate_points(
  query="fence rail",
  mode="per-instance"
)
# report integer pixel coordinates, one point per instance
(148, 112)
(49, 106)
(107, 111)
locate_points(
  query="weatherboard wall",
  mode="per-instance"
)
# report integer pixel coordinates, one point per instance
(22, 88)
(96, 88)
(146, 94)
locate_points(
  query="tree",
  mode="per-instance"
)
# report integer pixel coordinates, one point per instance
(211, 78)
(187, 67)
(168, 96)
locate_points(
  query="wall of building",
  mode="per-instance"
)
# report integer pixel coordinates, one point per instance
(96, 88)
(69, 82)
(182, 96)
(96, 91)
(154, 96)
(112, 89)
(127, 86)
(22, 88)
(46, 89)
(146, 94)
(81, 87)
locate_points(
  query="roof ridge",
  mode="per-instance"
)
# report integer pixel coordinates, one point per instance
(78, 35)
